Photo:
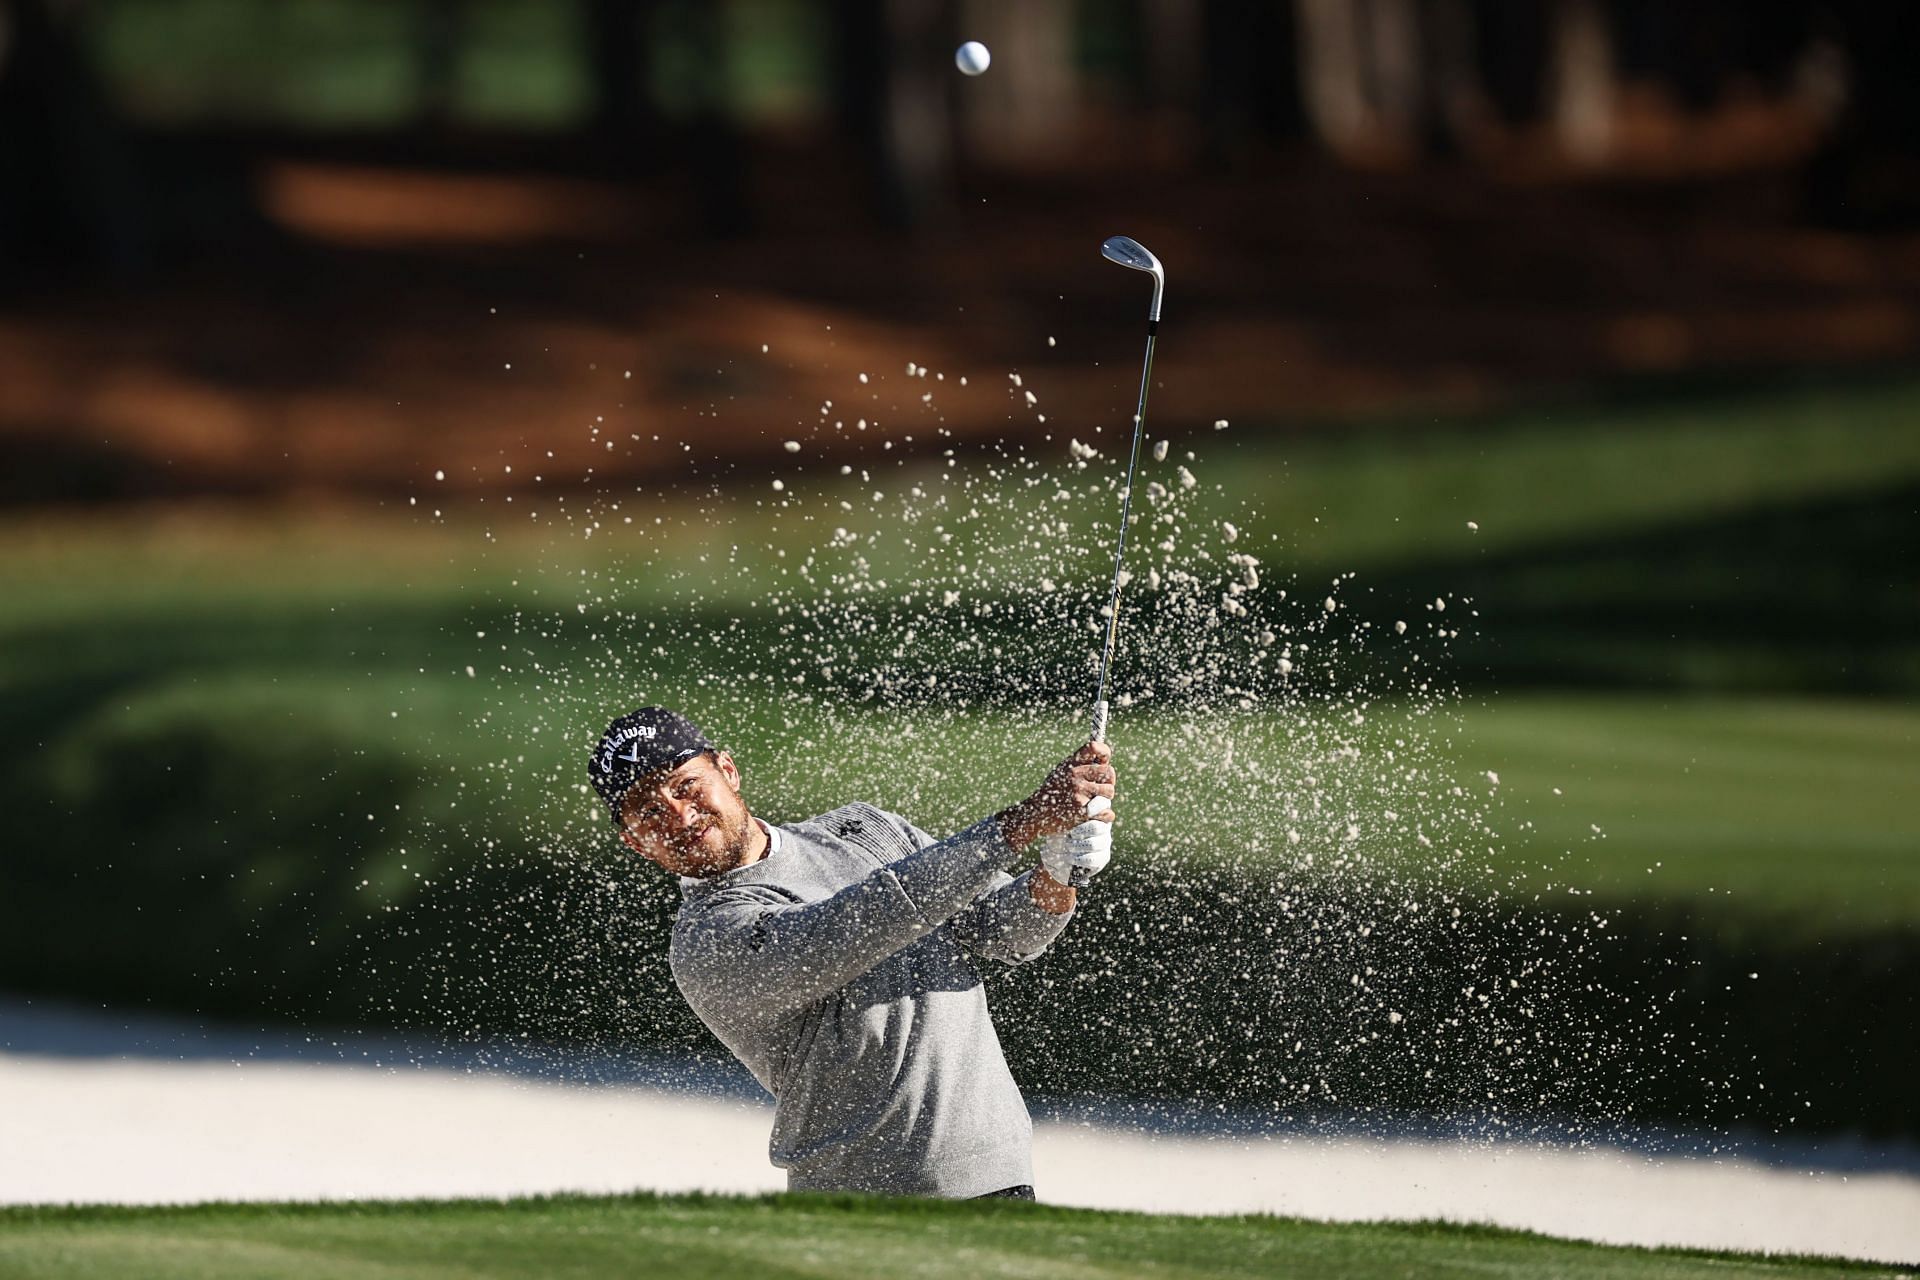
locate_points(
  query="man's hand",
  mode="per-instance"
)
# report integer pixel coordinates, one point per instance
(1082, 853)
(1060, 804)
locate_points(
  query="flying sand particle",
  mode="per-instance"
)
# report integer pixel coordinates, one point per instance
(1311, 778)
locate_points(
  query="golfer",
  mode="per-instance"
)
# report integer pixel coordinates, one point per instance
(836, 956)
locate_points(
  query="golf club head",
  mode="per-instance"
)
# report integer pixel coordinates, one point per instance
(1129, 252)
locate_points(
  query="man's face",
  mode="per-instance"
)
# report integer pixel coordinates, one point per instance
(691, 819)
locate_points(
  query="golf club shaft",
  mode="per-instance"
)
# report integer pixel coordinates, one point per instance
(1099, 725)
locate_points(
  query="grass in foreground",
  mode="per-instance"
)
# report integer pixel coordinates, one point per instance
(784, 1236)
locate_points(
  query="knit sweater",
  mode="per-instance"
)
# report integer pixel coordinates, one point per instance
(840, 969)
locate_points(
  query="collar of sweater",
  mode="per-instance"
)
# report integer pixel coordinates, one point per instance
(689, 883)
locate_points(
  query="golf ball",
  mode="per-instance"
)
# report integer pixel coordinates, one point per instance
(972, 58)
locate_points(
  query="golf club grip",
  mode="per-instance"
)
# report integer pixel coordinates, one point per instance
(1079, 877)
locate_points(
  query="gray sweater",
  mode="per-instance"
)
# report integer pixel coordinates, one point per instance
(840, 970)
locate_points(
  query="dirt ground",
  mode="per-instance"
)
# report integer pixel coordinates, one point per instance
(384, 321)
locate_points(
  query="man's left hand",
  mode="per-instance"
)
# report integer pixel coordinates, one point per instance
(1061, 803)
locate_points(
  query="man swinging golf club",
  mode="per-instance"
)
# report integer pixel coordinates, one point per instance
(836, 956)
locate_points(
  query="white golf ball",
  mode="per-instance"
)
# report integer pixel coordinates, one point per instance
(972, 58)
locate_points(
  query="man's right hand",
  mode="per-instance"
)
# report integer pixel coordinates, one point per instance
(1060, 804)
(1082, 853)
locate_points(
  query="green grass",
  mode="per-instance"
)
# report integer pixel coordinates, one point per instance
(1401, 492)
(1782, 805)
(793, 1236)
(333, 647)
(1379, 497)
(249, 744)
(1792, 808)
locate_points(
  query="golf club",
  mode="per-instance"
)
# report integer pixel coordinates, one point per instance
(1129, 253)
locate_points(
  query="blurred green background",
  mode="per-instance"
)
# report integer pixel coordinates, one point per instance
(299, 297)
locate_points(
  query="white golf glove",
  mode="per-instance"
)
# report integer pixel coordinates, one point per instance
(1082, 853)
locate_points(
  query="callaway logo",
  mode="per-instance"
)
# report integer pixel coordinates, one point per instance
(630, 735)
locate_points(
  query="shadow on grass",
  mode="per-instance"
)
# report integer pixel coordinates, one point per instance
(1808, 597)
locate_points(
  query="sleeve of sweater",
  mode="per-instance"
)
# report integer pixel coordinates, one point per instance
(753, 954)
(1003, 924)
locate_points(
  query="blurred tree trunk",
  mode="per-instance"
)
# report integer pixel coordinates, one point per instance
(1023, 107)
(1253, 74)
(1868, 173)
(1333, 58)
(891, 59)
(619, 56)
(439, 32)
(1511, 38)
(1708, 40)
(697, 123)
(1583, 79)
(1643, 39)
(1174, 34)
(1392, 75)
(66, 189)
(1770, 41)
(1685, 49)
(1390, 47)
(1451, 98)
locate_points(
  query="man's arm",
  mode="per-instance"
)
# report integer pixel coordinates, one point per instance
(750, 955)
(759, 956)
(1015, 919)
(1009, 923)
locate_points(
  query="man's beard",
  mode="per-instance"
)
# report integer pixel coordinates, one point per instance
(735, 831)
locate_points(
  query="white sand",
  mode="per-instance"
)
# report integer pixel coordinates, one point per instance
(130, 1130)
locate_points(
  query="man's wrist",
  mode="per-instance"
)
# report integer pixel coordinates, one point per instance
(1049, 894)
(1017, 826)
